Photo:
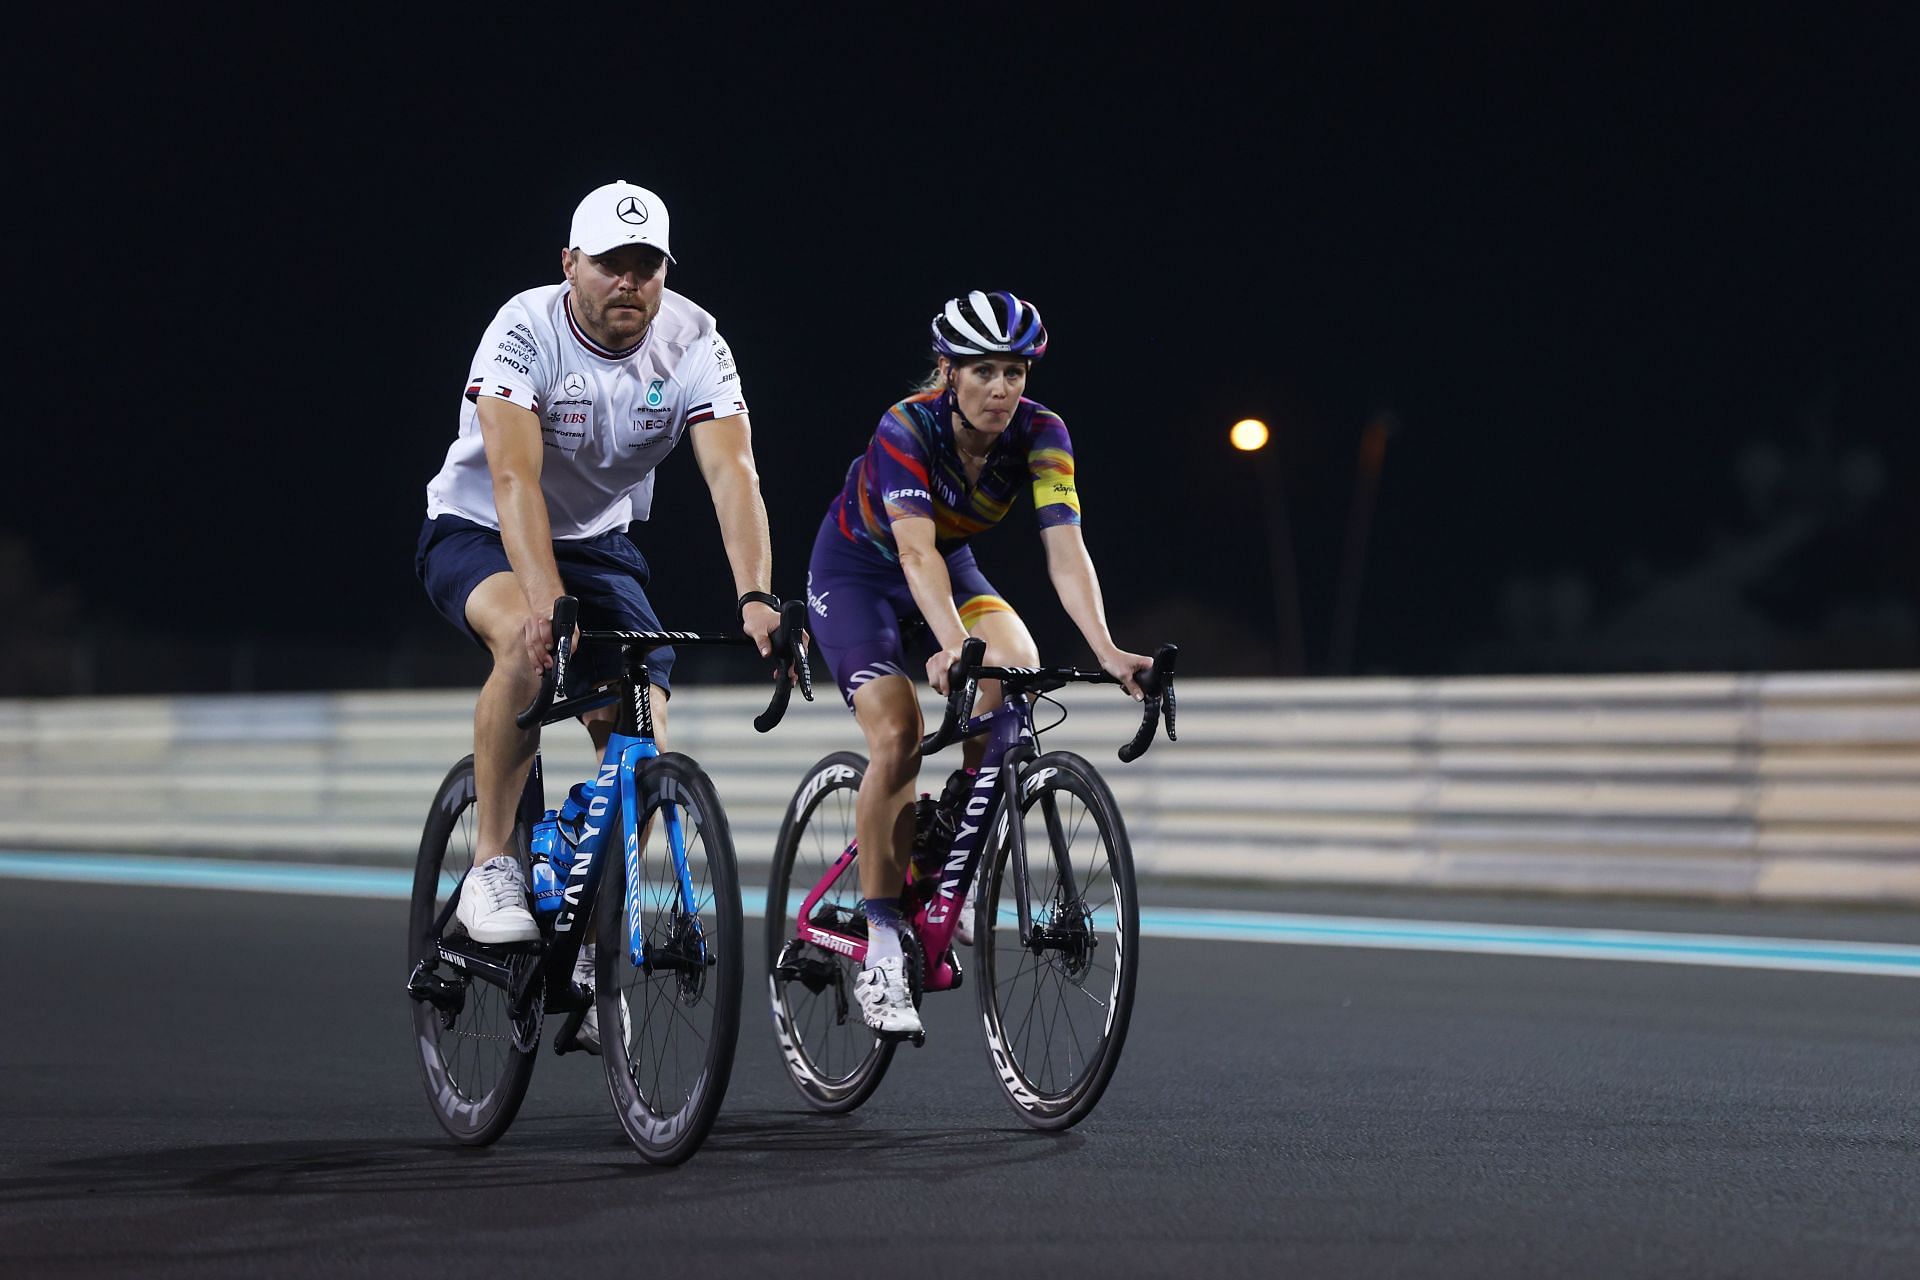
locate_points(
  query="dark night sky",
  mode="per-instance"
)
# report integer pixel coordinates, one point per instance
(1605, 271)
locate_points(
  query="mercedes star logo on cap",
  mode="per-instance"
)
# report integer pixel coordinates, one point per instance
(631, 210)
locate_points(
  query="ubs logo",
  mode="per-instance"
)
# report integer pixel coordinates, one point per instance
(573, 384)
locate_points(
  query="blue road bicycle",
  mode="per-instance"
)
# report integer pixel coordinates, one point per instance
(664, 923)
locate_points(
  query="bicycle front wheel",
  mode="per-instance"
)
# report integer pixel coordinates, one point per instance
(831, 1056)
(476, 1056)
(668, 1025)
(1056, 1008)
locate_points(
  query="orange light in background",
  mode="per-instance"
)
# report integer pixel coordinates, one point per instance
(1248, 434)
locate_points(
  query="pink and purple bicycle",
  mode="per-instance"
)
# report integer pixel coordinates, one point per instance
(1056, 924)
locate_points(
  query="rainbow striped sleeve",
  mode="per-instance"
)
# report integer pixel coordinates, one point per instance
(1050, 460)
(899, 460)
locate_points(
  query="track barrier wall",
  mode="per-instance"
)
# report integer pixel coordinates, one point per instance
(1790, 787)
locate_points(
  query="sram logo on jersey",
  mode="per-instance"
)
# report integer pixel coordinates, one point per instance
(895, 495)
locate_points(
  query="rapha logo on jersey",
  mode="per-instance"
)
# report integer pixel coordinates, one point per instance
(817, 603)
(573, 384)
(630, 210)
(656, 393)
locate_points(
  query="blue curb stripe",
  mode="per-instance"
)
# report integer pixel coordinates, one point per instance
(1800, 954)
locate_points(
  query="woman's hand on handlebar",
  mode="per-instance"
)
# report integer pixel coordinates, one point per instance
(939, 666)
(1125, 667)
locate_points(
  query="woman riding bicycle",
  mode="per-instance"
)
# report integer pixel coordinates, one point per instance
(943, 465)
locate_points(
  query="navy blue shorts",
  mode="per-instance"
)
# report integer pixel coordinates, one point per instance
(607, 574)
(856, 599)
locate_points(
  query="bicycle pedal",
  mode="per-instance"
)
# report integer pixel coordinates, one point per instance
(567, 1039)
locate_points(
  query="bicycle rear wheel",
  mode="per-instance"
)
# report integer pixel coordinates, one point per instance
(668, 1028)
(831, 1056)
(475, 1056)
(1056, 1013)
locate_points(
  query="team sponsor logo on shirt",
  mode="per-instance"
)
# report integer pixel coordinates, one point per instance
(656, 393)
(573, 384)
(894, 495)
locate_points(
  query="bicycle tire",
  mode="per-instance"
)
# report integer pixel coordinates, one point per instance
(476, 1064)
(668, 1053)
(833, 1059)
(1028, 999)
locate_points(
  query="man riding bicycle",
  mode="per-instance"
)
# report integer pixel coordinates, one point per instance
(577, 392)
(943, 465)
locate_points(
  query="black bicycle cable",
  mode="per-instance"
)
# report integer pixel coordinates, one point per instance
(1059, 706)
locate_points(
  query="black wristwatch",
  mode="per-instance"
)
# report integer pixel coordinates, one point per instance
(766, 598)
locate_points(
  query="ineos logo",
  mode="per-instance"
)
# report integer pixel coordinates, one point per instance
(631, 210)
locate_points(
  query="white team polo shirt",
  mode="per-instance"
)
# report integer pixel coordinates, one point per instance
(607, 417)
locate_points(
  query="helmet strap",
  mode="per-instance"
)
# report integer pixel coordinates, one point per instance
(957, 411)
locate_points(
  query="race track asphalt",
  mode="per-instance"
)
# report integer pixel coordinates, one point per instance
(222, 1083)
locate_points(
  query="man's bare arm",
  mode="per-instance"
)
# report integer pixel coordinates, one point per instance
(514, 449)
(724, 450)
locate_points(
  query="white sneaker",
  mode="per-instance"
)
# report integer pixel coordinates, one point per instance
(493, 903)
(588, 1037)
(885, 1002)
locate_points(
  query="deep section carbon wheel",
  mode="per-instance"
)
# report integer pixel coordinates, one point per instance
(1056, 1006)
(476, 1055)
(669, 1026)
(831, 1056)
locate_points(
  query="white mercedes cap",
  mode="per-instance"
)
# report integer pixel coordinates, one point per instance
(620, 213)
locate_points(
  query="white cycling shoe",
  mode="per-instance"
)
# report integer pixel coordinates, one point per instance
(885, 1002)
(588, 1037)
(493, 903)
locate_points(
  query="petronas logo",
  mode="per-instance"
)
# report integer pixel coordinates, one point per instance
(654, 397)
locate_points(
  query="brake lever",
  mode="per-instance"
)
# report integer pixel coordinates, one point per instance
(786, 645)
(961, 690)
(566, 611)
(1156, 683)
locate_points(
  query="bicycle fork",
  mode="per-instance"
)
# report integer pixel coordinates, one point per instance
(630, 764)
(1018, 782)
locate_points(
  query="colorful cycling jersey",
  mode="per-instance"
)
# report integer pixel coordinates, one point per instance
(912, 468)
(607, 417)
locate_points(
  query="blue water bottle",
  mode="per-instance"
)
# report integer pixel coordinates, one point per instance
(573, 821)
(547, 847)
